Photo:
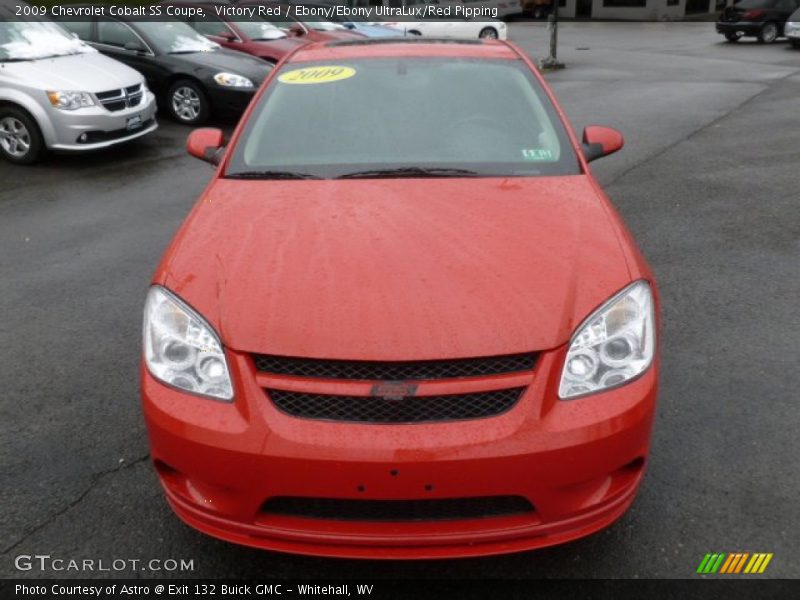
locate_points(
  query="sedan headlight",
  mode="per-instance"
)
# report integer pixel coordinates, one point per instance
(70, 100)
(791, 28)
(614, 345)
(181, 349)
(232, 80)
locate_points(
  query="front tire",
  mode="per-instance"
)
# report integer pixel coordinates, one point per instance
(21, 141)
(768, 33)
(187, 103)
(733, 37)
(488, 33)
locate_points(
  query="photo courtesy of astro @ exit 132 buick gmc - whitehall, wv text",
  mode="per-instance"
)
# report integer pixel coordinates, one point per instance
(401, 333)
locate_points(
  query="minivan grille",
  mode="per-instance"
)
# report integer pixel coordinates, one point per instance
(337, 509)
(409, 409)
(394, 371)
(116, 100)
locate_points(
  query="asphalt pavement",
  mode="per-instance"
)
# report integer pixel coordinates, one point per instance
(708, 184)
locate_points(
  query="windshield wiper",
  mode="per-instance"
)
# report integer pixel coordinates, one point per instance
(270, 175)
(409, 172)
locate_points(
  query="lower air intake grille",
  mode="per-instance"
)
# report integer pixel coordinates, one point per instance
(409, 409)
(397, 510)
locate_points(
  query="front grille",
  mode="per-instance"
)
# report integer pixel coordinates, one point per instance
(409, 409)
(397, 510)
(394, 371)
(116, 100)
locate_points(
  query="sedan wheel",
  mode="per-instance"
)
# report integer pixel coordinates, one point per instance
(20, 140)
(733, 37)
(768, 33)
(488, 33)
(188, 103)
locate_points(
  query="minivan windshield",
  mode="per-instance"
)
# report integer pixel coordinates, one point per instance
(32, 40)
(175, 37)
(406, 117)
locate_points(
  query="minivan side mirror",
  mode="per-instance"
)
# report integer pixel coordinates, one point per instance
(206, 143)
(600, 141)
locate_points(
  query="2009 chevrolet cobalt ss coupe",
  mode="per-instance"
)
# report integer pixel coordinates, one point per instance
(403, 320)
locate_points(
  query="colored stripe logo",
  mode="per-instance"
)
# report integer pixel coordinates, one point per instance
(734, 563)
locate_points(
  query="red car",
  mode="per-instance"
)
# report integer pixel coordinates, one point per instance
(312, 31)
(252, 36)
(403, 320)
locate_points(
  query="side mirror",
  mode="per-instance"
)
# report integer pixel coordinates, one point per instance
(134, 47)
(600, 141)
(227, 36)
(206, 144)
(297, 30)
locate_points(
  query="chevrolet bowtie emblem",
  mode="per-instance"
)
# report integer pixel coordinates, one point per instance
(393, 390)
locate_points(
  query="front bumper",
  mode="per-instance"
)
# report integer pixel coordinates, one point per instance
(102, 128)
(579, 463)
(229, 100)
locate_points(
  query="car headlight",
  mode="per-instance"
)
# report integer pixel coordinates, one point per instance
(70, 100)
(614, 345)
(791, 27)
(232, 80)
(181, 349)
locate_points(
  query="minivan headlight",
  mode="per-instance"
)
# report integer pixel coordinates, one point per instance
(181, 349)
(232, 80)
(70, 100)
(614, 345)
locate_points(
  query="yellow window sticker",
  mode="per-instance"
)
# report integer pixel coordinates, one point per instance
(324, 74)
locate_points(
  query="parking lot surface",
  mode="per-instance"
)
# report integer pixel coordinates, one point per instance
(708, 184)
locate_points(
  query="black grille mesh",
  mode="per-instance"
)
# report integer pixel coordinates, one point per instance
(410, 409)
(394, 371)
(397, 510)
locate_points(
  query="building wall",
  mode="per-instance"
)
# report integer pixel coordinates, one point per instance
(652, 10)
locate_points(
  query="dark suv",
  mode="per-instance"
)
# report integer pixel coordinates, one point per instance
(762, 19)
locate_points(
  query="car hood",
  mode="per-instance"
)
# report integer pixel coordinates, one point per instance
(279, 46)
(88, 72)
(397, 269)
(231, 61)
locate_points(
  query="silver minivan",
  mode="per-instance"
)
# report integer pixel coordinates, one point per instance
(58, 93)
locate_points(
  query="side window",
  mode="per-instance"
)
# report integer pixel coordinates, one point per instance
(115, 33)
(83, 29)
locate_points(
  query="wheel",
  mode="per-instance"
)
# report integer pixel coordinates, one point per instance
(187, 103)
(20, 139)
(733, 37)
(488, 33)
(768, 33)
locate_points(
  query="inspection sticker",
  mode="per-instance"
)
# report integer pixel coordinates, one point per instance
(324, 74)
(537, 154)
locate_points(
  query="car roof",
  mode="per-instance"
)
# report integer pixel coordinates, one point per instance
(411, 47)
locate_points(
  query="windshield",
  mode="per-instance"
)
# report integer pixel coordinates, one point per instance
(175, 37)
(260, 30)
(36, 39)
(479, 117)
